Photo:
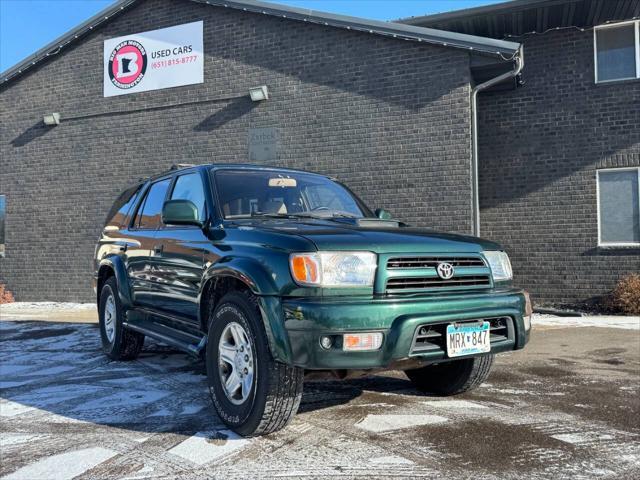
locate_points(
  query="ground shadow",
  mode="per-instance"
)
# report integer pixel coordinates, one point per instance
(60, 369)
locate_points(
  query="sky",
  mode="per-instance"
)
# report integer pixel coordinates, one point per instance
(28, 25)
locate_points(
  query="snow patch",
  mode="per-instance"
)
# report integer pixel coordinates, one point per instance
(205, 447)
(391, 460)
(387, 423)
(579, 438)
(64, 466)
(454, 404)
(15, 306)
(11, 409)
(603, 321)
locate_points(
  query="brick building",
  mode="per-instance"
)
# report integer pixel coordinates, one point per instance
(385, 107)
(559, 158)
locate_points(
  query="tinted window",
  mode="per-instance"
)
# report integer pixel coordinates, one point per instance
(151, 211)
(189, 187)
(118, 214)
(619, 206)
(616, 52)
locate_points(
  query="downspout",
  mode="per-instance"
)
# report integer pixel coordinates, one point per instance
(519, 64)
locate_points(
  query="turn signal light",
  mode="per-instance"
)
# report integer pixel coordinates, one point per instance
(362, 341)
(528, 305)
(305, 269)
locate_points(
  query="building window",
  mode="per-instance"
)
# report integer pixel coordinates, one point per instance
(3, 214)
(619, 206)
(617, 52)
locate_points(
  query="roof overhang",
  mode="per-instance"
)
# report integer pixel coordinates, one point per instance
(519, 17)
(472, 43)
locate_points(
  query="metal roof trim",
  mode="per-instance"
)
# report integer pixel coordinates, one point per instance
(510, 6)
(490, 46)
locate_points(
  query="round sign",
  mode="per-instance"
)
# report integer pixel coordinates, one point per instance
(127, 64)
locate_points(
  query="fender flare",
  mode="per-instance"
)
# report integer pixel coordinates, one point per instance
(252, 274)
(117, 265)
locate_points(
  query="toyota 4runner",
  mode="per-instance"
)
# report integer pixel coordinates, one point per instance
(269, 272)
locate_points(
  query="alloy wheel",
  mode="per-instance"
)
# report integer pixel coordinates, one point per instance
(235, 363)
(110, 318)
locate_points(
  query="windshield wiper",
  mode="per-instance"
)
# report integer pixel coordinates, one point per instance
(320, 215)
(324, 214)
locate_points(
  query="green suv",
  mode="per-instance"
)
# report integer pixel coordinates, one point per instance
(270, 272)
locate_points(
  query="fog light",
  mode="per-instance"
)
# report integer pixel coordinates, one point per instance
(326, 342)
(362, 341)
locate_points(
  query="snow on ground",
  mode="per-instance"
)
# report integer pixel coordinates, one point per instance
(18, 306)
(566, 407)
(602, 321)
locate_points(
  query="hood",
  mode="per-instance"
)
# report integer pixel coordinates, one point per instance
(346, 234)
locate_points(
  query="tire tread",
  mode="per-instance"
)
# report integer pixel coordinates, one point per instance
(285, 382)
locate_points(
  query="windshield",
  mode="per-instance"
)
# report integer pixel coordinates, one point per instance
(255, 193)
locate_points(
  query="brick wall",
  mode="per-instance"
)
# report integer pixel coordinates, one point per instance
(388, 117)
(539, 150)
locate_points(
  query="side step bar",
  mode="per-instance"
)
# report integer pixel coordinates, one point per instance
(190, 344)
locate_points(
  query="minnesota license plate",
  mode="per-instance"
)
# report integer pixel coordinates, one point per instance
(468, 338)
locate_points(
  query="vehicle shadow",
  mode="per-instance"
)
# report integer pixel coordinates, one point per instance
(56, 373)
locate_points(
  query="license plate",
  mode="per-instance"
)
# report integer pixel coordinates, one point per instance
(468, 339)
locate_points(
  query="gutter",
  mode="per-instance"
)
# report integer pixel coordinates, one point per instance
(519, 64)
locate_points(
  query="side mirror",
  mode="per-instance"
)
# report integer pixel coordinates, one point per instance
(382, 214)
(180, 212)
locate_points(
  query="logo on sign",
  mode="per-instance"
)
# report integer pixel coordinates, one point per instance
(445, 270)
(127, 64)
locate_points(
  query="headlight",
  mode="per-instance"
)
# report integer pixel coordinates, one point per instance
(500, 265)
(334, 269)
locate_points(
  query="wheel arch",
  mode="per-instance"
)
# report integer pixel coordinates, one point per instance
(248, 275)
(114, 266)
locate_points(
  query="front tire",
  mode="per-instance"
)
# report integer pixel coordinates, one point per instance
(252, 393)
(117, 342)
(453, 377)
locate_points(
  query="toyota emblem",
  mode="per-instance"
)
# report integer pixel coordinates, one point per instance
(445, 270)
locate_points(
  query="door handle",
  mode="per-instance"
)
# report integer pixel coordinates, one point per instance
(157, 250)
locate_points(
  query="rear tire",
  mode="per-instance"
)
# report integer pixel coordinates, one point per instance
(237, 343)
(117, 342)
(452, 377)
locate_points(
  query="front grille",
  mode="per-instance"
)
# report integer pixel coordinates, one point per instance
(432, 337)
(432, 262)
(417, 283)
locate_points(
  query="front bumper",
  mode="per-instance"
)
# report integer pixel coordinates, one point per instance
(397, 318)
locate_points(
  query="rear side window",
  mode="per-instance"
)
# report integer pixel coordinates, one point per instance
(119, 212)
(150, 212)
(189, 187)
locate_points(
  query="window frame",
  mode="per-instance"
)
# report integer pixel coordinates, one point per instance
(133, 225)
(174, 180)
(636, 23)
(619, 169)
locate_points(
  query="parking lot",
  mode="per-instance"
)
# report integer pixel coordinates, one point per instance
(566, 407)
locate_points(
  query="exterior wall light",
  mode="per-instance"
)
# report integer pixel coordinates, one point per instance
(259, 94)
(52, 119)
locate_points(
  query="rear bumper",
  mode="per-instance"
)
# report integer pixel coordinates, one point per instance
(307, 320)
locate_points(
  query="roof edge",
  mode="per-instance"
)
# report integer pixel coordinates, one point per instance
(494, 8)
(489, 46)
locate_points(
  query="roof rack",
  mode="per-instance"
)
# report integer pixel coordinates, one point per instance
(180, 166)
